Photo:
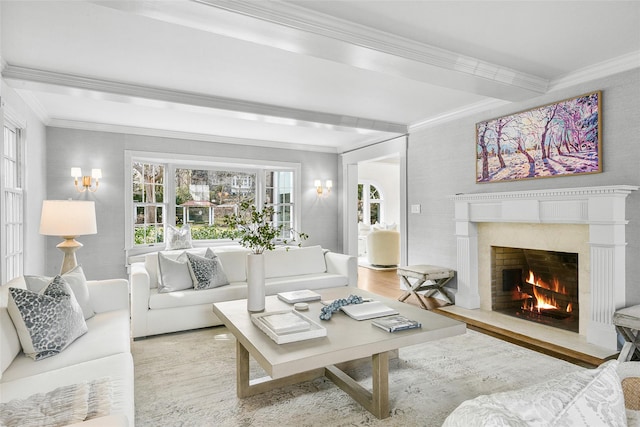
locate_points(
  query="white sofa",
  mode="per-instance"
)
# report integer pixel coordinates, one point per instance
(153, 312)
(102, 353)
(606, 396)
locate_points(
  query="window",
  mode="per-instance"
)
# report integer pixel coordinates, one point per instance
(369, 204)
(205, 196)
(181, 189)
(148, 201)
(12, 203)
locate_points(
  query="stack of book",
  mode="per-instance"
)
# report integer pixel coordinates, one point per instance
(396, 323)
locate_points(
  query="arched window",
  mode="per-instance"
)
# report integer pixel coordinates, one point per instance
(370, 203)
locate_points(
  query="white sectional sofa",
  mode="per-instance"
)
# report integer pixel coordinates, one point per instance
(153, 312)
(102, 354)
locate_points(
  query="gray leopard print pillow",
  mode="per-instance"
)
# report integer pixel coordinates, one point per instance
(206, 272)
(46, 321)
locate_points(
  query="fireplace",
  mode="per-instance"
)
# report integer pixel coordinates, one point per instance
(599, 211)
(536, 285)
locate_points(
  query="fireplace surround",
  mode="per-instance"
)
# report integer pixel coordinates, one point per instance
(587, 220)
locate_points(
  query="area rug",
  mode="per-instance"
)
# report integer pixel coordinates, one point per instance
(188, 379)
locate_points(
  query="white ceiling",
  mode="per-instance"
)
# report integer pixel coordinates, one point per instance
(318, 75)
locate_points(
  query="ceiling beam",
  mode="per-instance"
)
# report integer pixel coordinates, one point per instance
(298, 30)
(81, 86)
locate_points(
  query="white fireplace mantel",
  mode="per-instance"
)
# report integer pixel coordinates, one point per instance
(601, 208)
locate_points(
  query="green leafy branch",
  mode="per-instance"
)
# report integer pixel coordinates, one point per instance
(255, 229)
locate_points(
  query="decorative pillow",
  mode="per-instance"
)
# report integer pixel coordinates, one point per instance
(47, 321)
(206, 272)
(178, 238)
(65, 405)
(174, 274)
(585, 397)
(76, 279)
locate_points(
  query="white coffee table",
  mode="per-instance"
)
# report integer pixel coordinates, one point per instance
(347, 340)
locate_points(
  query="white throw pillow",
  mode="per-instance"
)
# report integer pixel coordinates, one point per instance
(48, 321)
(174, 274)
(178, 238)
(76, 279)
(590, 397)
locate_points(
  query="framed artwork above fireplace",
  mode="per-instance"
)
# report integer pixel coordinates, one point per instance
(558, 139)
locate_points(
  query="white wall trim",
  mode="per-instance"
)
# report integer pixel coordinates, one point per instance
(163, 133)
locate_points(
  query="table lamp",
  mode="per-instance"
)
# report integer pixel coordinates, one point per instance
(68, 219)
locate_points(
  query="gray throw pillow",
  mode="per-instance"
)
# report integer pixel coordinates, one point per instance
(174, 274)
(76, 279)
(207, 273)
(48, 321)
(178, 238)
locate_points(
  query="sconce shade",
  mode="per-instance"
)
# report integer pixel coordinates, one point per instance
(68, 218)
(76, 172)
(96, 173)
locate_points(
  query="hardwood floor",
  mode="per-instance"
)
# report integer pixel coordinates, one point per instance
(386, 283)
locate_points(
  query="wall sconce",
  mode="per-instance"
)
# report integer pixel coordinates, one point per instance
(86, 179)
(328, 186)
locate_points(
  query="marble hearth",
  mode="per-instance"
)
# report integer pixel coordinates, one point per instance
(588, 220)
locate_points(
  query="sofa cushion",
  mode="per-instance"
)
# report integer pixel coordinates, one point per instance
(108, 334)
(178, 238)
(151, 262)
(118, 367)
(234, 263)
(174, 275)
(47, 321)
(67, 404)
(284, 262)
(586, 397)
(191, 297)
(76, 280)
(206, 273)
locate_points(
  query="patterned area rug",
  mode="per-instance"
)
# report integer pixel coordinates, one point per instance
(188, 379)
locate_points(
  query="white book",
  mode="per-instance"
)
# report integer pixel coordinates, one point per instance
(285, 323)
(303, 295)
(368, 310)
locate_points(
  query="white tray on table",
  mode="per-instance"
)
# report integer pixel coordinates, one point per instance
(314, 330)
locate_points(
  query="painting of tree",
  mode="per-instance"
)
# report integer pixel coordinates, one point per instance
(559, 139)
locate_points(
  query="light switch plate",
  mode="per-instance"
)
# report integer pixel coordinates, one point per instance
(415, 208)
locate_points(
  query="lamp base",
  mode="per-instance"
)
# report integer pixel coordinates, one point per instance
(69, 247)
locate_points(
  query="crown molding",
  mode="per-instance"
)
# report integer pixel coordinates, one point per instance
(295, 29)
(74, 85)
(164, 133)
(603, 69)
(456, 114)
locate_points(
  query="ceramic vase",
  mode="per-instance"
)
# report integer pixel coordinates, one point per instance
(255, 282)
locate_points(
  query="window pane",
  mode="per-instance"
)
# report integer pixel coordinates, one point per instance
(140, 215)
(204, 196)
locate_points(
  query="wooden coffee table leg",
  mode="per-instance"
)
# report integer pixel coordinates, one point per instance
(246, 387)
(375, 401)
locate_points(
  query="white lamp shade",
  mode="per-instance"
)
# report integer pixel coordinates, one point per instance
(76, 172)
(96, 173)
(329, 183)
(68, 218)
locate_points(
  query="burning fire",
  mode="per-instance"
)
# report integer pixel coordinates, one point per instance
(540, 300)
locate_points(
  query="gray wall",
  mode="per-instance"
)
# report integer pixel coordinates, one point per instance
(103, 254)
(441, 162)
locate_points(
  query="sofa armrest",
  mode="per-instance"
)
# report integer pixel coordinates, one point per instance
(140, 290)
(109, 295)
(345, 265)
